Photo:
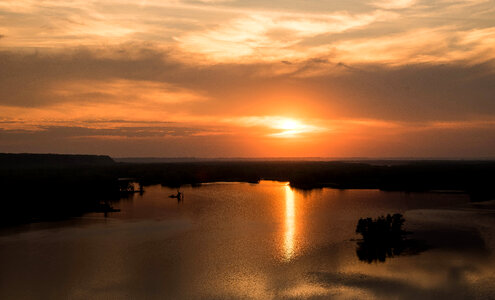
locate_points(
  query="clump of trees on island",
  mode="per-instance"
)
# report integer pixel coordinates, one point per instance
(382, 228)
(381, 238)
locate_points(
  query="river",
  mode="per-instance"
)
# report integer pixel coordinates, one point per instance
(252, 241)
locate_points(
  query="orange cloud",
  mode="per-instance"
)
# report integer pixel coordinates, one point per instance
(271, 36)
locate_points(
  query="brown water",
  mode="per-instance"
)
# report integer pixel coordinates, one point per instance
(259, 241)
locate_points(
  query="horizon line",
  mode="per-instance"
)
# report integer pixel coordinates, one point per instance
(306, 158)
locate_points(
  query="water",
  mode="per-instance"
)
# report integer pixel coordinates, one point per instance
(255, 241)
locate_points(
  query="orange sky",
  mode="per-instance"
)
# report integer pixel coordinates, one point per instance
(227, 78)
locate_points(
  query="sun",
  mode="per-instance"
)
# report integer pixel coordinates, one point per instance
(289, 124)
(285, 127)
(290, 128)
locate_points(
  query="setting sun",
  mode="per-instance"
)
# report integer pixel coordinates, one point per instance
(291, 128)
(290, 125)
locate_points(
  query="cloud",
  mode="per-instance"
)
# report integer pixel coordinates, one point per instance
(394, 4)
(34, 79)
(376, 77)
(121, 141)
(214, 1)
(142, 93)
(431, 45)
(126, 132)
(138, 99)
(270, 36)
(219, 32)
(122, 83)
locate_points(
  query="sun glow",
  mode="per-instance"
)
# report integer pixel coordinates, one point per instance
(282, 127)
(290, 125)
(291, 128)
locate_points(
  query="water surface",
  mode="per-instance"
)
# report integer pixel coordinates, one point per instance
(257, 241)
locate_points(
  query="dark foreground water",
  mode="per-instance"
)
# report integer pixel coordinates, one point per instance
(259, 241)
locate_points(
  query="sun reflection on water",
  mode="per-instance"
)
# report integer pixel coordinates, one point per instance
(290, 224)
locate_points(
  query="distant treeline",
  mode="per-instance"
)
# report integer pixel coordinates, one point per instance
(468, 176)
(41, 186)
(28, 160)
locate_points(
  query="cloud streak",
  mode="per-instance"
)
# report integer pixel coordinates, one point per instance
(397, 32)
(271, 37)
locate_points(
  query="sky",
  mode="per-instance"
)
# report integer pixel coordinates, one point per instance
(229, 78)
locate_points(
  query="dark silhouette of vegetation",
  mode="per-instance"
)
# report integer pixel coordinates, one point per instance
(45, 186)
(383, 238)
(27, 160)
(383, 228)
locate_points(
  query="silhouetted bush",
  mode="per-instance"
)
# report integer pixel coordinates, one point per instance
(382, 238)
(382, 228)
